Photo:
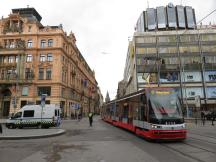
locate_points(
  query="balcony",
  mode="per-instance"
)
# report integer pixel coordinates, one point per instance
(11, 79)
(169, 67)
(192, 67)
(146, 68)
(13, 64)
(210, 66)
(15, 46)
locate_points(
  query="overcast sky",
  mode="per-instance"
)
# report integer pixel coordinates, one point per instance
(102, 28)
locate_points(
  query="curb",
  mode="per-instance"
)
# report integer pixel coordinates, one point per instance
(60, 132)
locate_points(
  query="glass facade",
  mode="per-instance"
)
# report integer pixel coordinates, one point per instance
(151, 18)
(181, 16)
(161, 17)
(171, 15)
(184, 61)
(190, 17)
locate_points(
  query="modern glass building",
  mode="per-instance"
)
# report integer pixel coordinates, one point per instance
(183, 59)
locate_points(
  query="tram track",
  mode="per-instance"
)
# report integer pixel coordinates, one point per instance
(192, 147)
(204, 135)
(188, 154)
(206, 139)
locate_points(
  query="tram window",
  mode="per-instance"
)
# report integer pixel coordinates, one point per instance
(142, 112)
(143, 98)
(125, 111)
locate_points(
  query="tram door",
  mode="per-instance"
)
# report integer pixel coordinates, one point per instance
(125, 112)
(142, 108)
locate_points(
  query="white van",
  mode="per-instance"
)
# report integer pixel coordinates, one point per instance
(33, 116)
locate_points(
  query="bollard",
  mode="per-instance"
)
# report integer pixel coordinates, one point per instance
(0, 128)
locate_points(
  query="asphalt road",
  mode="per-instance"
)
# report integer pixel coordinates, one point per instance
(105, 143)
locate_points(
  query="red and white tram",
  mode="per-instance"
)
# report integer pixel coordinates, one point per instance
(154, 113)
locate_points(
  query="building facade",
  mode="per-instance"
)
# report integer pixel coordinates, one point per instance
(179, 57)
(38, 60)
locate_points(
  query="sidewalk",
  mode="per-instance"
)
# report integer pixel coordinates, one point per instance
(29, 133)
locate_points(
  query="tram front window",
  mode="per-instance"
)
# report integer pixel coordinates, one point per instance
(165, 108)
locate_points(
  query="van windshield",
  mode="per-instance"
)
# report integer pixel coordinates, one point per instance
(18, 115)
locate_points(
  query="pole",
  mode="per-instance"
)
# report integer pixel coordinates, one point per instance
(17, 80)
(41, 112)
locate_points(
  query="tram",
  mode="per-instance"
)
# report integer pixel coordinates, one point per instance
(154, 113)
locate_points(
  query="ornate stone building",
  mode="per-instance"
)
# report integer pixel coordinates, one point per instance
(37, 60)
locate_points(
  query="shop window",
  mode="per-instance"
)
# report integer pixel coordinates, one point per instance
(44, 90)
(169, 77)
(147, 77)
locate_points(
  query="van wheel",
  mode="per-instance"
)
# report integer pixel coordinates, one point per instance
(39, 126)
(12, 126)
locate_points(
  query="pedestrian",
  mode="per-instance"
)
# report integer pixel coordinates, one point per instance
(203, 117)
(90, 115)
(213, 117)
(79, 116)
(0, 128)
(58, 121)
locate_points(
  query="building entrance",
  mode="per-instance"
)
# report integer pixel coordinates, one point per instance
(5, 98)
(6, 108)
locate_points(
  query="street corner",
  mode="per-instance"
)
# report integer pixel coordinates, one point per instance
(16, 134)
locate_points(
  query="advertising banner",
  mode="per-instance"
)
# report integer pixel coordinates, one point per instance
(193, 92)
(191, 77)
(210, 76)
(211, 92)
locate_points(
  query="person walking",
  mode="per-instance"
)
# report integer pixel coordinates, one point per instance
(0, 128)
(90, 115)
(213, 117)
(203, 117)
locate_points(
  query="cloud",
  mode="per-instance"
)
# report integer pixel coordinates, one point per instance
(102, 25)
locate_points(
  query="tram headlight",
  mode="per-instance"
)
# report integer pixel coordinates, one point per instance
(156, 126)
